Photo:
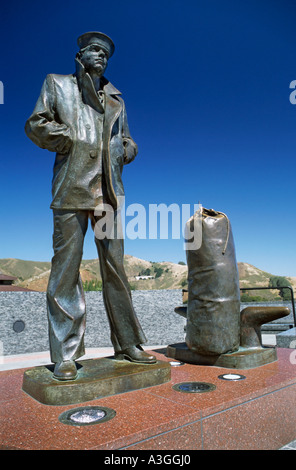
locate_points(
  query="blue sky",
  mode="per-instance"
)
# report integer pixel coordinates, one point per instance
(206, 86)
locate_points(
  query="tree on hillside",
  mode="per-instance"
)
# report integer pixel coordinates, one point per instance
(145, 272)
(158, 271)
(93, 285)
(280, 281)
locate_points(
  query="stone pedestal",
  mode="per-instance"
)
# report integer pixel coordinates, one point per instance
(287, 339)
(97, 378)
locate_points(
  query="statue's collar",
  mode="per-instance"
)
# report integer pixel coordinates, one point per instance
(83, 76)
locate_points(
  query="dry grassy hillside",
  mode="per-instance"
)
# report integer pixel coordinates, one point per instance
(165, 275)
(34, 275)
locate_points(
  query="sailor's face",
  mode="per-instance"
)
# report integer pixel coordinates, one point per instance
(95, 59)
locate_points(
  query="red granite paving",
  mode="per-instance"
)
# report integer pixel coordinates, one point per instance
(258, 412)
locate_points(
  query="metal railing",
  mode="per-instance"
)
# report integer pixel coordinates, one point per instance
(270, 288)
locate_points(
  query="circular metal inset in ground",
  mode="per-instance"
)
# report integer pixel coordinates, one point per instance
(194, 387)
(232, 377)
(18, 326)
(87, 415)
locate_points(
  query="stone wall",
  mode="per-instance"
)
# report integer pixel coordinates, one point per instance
(23, 320)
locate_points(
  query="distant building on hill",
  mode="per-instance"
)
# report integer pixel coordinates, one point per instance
(6, 284)
(140, 278)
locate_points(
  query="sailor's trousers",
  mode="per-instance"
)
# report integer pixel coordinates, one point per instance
(65, 297)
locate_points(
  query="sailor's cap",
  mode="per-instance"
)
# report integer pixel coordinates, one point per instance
(95, 37)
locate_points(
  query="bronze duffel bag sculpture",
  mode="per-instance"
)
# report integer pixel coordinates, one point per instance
(213, 309)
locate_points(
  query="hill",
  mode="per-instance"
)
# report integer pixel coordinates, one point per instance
(142, 274)
(250, 276)
(34, 274)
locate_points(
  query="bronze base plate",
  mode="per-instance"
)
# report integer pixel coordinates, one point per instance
(244, 358)
(97, 378)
